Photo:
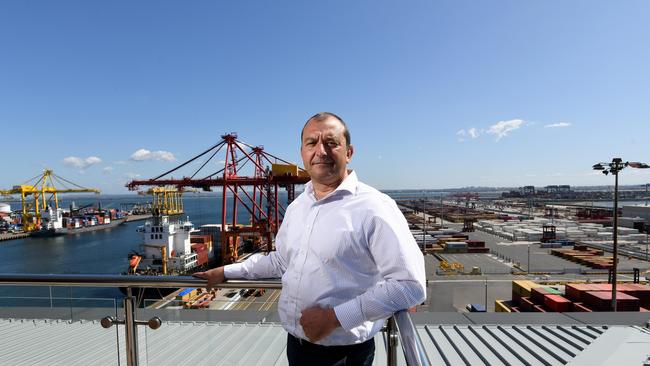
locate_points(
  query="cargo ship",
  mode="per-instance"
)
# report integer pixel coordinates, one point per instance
(56, 222)
(171, 248)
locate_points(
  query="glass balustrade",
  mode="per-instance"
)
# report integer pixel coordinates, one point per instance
(133, 330)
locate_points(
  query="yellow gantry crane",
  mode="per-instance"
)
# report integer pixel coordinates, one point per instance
(39, 188)
(167, 200)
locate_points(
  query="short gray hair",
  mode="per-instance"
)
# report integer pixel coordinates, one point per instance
(321, 116)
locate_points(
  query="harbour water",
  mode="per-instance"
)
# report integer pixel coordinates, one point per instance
(97, 252)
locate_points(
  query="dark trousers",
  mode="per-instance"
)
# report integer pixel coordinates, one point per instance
(301, 352)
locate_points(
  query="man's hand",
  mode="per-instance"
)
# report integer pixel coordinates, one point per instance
(318, 323)
(214, 276)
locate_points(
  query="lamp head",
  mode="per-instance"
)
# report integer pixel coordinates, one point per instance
(638, 165)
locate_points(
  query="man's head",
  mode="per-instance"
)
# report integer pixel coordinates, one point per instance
(326, 148)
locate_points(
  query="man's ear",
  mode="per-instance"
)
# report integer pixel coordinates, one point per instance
(349, 153)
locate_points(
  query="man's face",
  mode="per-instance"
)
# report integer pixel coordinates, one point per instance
(324, 151)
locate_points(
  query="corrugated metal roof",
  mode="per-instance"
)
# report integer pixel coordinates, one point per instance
(506, 345)
(59, 342)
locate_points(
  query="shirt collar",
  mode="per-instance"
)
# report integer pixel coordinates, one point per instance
(349, 184)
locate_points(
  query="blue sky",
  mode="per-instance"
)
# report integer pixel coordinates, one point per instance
(437, 94)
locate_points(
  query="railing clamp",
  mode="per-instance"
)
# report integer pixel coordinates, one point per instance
(153, 323)
(393, 339)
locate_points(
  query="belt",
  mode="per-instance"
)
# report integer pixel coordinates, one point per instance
(308, 344)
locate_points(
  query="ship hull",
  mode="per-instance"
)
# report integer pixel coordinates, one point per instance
(65, 231)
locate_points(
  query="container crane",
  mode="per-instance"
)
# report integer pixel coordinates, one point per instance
(39, 188)
(167, 200)
(260, 199)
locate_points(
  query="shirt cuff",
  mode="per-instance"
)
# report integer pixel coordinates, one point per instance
(349, 314)
(235, 270)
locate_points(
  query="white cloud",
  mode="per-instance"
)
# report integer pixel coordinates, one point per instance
(108, 170)
(556, 125)
(501, 129)
(473, 133)
(461, 135)
(144, 154)
(81, 163)
(131, 175)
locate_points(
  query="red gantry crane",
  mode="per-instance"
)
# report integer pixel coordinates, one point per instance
(262, 203)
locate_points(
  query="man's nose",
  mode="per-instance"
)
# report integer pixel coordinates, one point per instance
(320, 149)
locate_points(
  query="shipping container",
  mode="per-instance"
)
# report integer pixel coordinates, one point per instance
(557, 303)
(602, 301)
(502, 306)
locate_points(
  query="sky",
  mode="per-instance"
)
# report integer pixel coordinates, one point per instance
(437, 94)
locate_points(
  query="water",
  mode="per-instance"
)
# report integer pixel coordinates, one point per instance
(97, 252)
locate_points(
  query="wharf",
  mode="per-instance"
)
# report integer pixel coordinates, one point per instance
(10, 236)
(138, 217)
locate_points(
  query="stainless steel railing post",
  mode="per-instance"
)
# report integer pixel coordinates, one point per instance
(412, 346)
(131, 329)
(392, 341)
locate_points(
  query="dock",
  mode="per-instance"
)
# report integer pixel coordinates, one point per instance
(138, 217)
(10, 236)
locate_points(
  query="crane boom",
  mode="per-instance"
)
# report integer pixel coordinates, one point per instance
(43, 184)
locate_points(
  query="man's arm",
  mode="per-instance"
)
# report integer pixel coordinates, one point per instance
(257, 266)
(400, 263)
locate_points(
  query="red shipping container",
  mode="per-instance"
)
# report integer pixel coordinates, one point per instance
(539, 309)
(602, 287)
(602, 301)
(557, 303)
(526, 304)
(537, 295)
(579, 307)
(573, 291)
(475, 244)
(639, 291)
(478, 250)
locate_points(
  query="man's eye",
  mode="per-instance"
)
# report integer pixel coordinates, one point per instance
(332, 144)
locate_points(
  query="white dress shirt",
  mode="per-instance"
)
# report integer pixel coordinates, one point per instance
(352, 251)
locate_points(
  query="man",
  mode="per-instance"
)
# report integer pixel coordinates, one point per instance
(345, 254)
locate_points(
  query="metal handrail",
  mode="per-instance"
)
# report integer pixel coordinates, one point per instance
(77, 280)
(412, 345)
(399, 326)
